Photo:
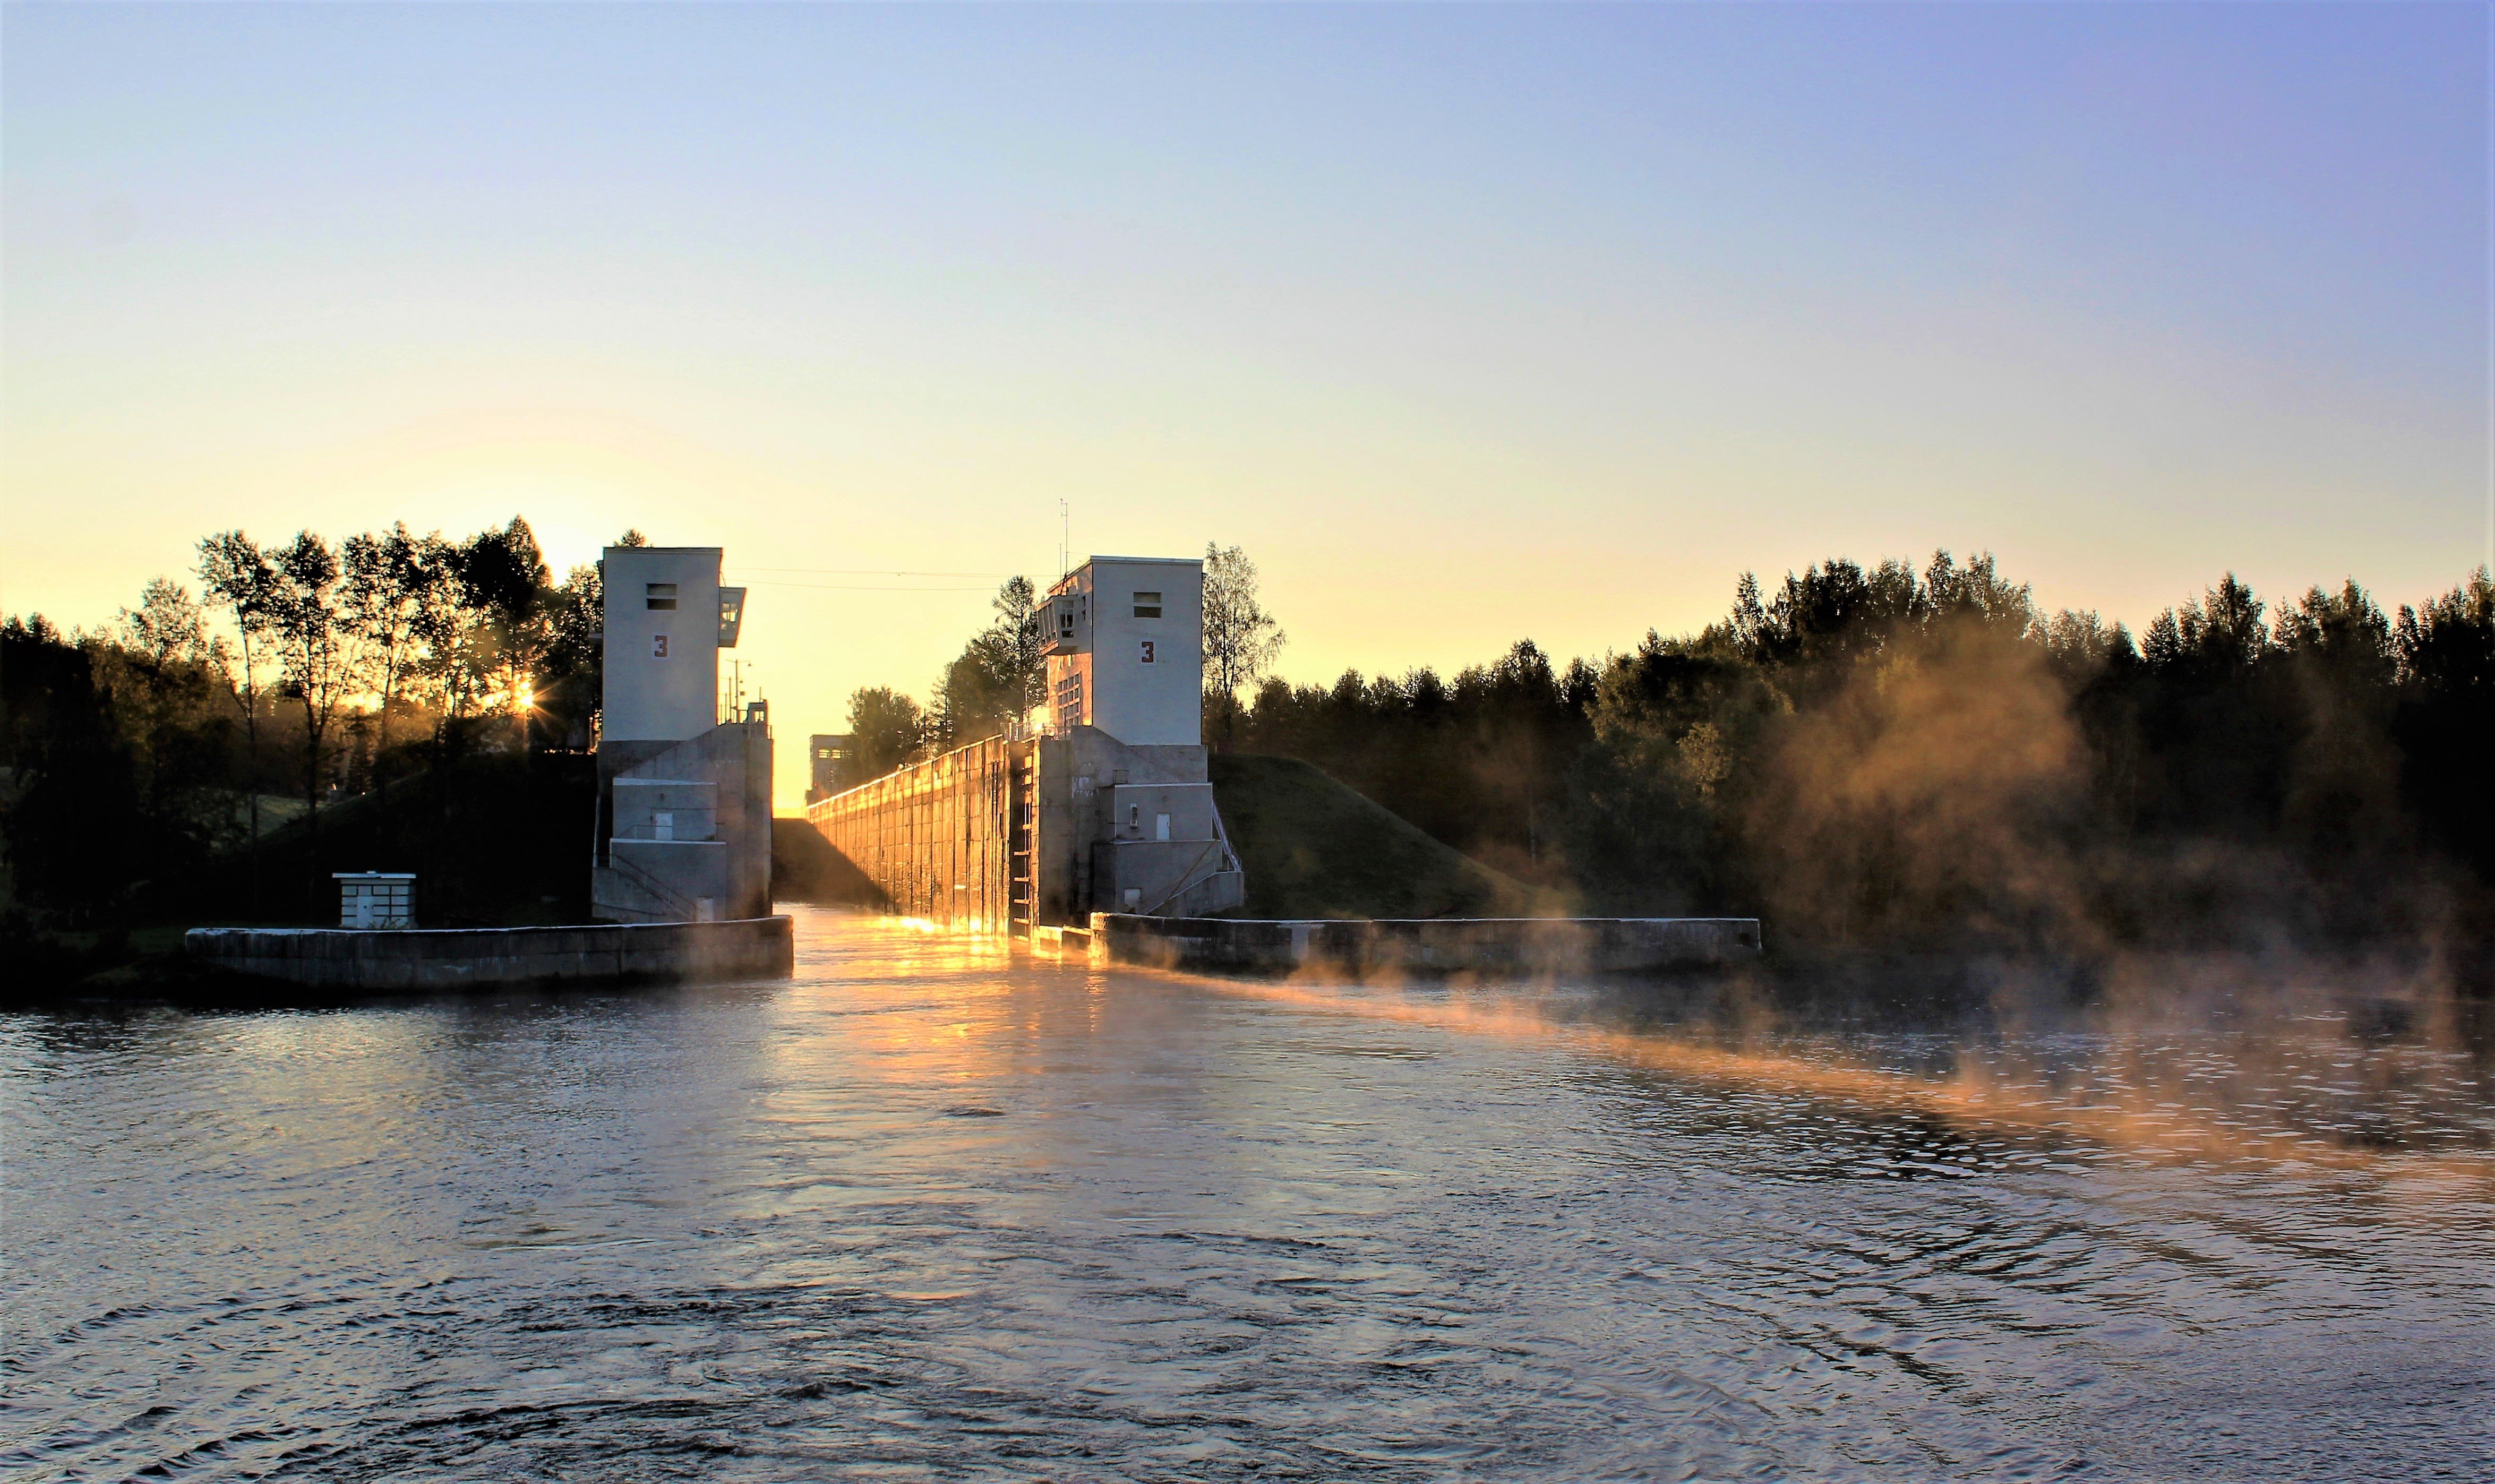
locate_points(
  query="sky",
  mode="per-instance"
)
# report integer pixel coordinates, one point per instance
(1470, 323)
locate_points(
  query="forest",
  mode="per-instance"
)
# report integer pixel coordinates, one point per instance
(1883, 756)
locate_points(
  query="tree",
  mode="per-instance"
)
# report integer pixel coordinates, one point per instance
(2447, 646)
(168, 627)
(383, 598)
(503, 578)
(2446, 653)
(311, 636)
(1527, 723)
(997, 676)
(1018, 626)
(571, 671)
(885, 727)
(1240, 638)
(70, 834)
(2221, 632)
(448, 628)
(163, 669)
(234, 572)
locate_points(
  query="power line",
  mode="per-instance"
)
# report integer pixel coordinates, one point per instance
(848, 587)
(866, 572)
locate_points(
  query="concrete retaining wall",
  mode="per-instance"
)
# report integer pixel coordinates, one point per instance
(471, 958)
(1425, 946)
(634, 878)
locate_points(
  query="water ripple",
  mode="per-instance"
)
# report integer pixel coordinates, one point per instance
(931, 1211)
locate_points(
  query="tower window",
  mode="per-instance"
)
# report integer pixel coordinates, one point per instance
(1148, 605)
(663, 595)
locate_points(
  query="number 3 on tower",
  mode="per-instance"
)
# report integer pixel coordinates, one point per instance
(1147, 651)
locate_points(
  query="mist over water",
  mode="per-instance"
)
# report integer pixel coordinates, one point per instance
(935, 1211)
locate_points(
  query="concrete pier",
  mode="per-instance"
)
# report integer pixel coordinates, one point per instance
(1422, 945)
(478, 958)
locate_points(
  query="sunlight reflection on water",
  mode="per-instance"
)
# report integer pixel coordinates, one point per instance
(932, 1209)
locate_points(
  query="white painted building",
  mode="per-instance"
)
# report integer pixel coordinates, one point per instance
(667, 618)
(1125, 642)
(684, 830)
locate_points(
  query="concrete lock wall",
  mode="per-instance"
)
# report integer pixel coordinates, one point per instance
(717, 789)
(473, 958)
(666, 808)
(1009, 835)
(1100, 802)
(936, 838)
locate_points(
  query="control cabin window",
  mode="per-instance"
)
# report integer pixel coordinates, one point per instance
(663, 595)
(1148, 605)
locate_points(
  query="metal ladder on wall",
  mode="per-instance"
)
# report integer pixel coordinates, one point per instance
(1022, 807)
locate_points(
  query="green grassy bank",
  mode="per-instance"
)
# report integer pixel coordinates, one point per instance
(1314, 847)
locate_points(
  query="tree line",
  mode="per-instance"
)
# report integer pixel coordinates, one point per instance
(1907, 758)
(303, 670)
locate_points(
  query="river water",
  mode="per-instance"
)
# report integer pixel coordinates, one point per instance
(933, 1211)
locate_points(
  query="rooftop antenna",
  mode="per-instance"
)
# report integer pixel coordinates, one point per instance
(1065, 539)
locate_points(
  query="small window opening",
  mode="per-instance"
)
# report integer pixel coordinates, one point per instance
(1148, 605)
(663, 595)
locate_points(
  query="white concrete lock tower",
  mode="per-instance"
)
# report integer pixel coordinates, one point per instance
(667, 618)
(1125, 818)
(1124, 640)
(684, 798)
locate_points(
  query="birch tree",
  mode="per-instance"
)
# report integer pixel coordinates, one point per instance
(1240, 638)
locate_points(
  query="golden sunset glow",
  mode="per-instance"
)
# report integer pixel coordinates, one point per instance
(1505, 369)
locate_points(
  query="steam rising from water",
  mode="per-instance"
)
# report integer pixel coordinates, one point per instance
(933, 1209)
(2277, 1083)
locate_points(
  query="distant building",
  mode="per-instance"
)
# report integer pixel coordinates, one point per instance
(827, 764)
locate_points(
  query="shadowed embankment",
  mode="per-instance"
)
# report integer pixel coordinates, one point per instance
(1314, 847)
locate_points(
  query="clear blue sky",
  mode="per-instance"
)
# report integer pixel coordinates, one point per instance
(1470, 323)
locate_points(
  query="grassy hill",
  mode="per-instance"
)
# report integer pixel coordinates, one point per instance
(1314, 847)
(495, 841)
